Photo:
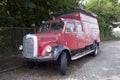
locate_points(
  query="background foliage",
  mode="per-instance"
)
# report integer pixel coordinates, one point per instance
(108, 11)
(26, 12)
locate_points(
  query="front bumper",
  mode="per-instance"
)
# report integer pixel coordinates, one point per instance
(37, 59)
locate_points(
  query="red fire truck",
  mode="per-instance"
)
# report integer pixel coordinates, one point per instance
(68, 37)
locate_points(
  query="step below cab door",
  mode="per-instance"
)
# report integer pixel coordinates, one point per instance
(70, 36)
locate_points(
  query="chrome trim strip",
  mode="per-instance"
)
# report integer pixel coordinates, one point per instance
(79, 56)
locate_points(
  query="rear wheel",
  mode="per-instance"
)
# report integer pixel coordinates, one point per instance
(30, 64)
(63, 63)
(95, 47)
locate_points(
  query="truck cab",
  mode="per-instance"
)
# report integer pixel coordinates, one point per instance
(62, 40)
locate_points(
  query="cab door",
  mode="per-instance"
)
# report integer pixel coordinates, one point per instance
(70, 36)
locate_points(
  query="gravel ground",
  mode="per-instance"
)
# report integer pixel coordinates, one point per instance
(105, 66)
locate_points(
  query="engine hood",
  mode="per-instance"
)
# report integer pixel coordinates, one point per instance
(47, 38)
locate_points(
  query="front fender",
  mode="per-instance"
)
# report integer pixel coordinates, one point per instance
(59, 49)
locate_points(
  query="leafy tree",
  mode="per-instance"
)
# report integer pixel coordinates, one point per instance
(26, 12)
(107, 11)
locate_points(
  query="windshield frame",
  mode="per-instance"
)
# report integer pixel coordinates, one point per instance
(48, 26)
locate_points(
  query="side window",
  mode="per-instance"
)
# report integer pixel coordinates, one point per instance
(79, 27)
(70, 27)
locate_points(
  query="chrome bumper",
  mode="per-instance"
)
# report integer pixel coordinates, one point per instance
(37, 59)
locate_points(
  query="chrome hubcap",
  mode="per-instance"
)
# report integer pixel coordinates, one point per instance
(96, 51)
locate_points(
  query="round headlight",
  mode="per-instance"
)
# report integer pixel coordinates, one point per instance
(48, 48)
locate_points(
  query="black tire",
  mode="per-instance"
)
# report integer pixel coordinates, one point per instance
(63, 63)
(95, 47)
(30, 64)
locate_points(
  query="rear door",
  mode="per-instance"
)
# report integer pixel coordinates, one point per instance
(80, 35)
(70, 36)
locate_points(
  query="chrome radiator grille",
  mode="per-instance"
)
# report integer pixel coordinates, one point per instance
(29, 46)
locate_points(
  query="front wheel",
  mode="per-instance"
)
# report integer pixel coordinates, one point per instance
(63, 63)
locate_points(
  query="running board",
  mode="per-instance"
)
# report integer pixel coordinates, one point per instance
(81, 55)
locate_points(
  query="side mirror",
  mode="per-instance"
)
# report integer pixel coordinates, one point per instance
(33, 25)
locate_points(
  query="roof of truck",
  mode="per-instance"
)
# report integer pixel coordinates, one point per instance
(77, 10)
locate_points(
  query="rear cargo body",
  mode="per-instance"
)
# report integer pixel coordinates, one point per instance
(89, 25)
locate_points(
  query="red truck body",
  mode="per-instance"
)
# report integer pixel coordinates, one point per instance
(68, 37)
(90, 28)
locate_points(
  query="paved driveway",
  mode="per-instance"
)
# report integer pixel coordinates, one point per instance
(105, 66)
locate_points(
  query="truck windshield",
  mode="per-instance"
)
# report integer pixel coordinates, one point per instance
(51, 26)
